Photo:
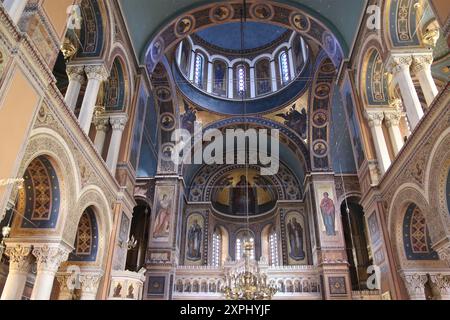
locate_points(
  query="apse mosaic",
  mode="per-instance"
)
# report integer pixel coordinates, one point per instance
(86, 242)
(39, 201)
(416, 239)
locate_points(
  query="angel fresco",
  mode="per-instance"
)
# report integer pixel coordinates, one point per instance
(296, 120)
(189, 117)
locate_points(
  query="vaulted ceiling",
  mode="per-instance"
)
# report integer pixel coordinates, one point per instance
(145, 18)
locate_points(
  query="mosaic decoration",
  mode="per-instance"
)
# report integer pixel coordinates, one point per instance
(337, 285)
(376, 82)
(195, 237)
(115, 88)
(416, 239)
(39, 200)
(92, 29)
(321, 100)
(86, 242)
(167, 122)
(221, 13)
(403, 28)
(270, 12)
(156, 286)
(374, 228)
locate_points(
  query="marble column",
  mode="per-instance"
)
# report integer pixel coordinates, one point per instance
(442, 284)
(415, 284)
(19, 267)
(89, 285)
(422, 69)
(393, 124)
(118, 122)
(15, 8)
(96, 75)
(76, 79)
(48, 258)
(273, 71)
(102, 127)
(375, 119)
(399, 67)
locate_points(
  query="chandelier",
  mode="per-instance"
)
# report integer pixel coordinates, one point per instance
(248, 283)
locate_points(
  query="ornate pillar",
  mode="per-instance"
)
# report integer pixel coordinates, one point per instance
(89, 285)
(96, 75)
(392, 123)
(48, 258)
(252, 82)
(273, 72)
(230, 83)
(209, 83)
(399, 66)
(442, 284)
(101, 126)
(422, 69)
(415, 284)
(15, 8)
(19, 267)
(118, 122)
(375, 119)
(76, 79)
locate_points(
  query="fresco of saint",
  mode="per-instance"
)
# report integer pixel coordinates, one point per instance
(328, 211)
(162, 221)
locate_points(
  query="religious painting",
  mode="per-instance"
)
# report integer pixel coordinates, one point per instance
(295, 238)
(263, 78)
(164, 204)
(156, 286)
(374, 228)
(194, 238)
(220, 78)
(327, 209)
(296, 120)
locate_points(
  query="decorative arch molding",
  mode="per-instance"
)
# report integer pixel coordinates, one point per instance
(409, 194)
(272, 12)
(117, 87)
(47, 143)
(91, 197)
(436, 183)
(96, 29)
(86, 243)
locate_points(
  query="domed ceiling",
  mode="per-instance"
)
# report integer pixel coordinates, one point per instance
(146, 18)
(256, 35)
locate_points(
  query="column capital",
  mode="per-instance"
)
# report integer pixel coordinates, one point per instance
(375, 117)
(118, 121)
(399, 62)
(422, 61)
(415, 284)
(444, 253)
(19, 257)
(90, 282)
(75, 73)
(49, 257)
(96, 72)
(442, 283)
(393, 118)
(101, 123)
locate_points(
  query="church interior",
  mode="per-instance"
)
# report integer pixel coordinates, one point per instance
(93, 207)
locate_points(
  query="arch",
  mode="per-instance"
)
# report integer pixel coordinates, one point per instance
(116, 89)
(87, 238)
(373, 80)
(47, 143)
(407, 195)
(118, 51)
(263, 76)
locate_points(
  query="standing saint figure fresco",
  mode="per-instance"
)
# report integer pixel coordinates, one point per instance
(328, 214)
(162, 221)
(195, 242)
(295, 232)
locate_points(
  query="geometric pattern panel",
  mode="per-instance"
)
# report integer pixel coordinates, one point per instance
(115, 88)
(39, 200)
(416, 238)
(86, 241)
(91, 36)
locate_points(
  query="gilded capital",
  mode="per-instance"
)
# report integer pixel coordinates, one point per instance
(19, 257)
(422, 62)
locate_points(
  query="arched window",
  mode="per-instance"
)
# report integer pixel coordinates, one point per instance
(284, 68)
(240, 242)
(273, 242)
(198, 71)
(242, 79)
(217, 248)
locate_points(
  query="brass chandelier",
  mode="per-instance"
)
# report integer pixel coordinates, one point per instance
(249, 283)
